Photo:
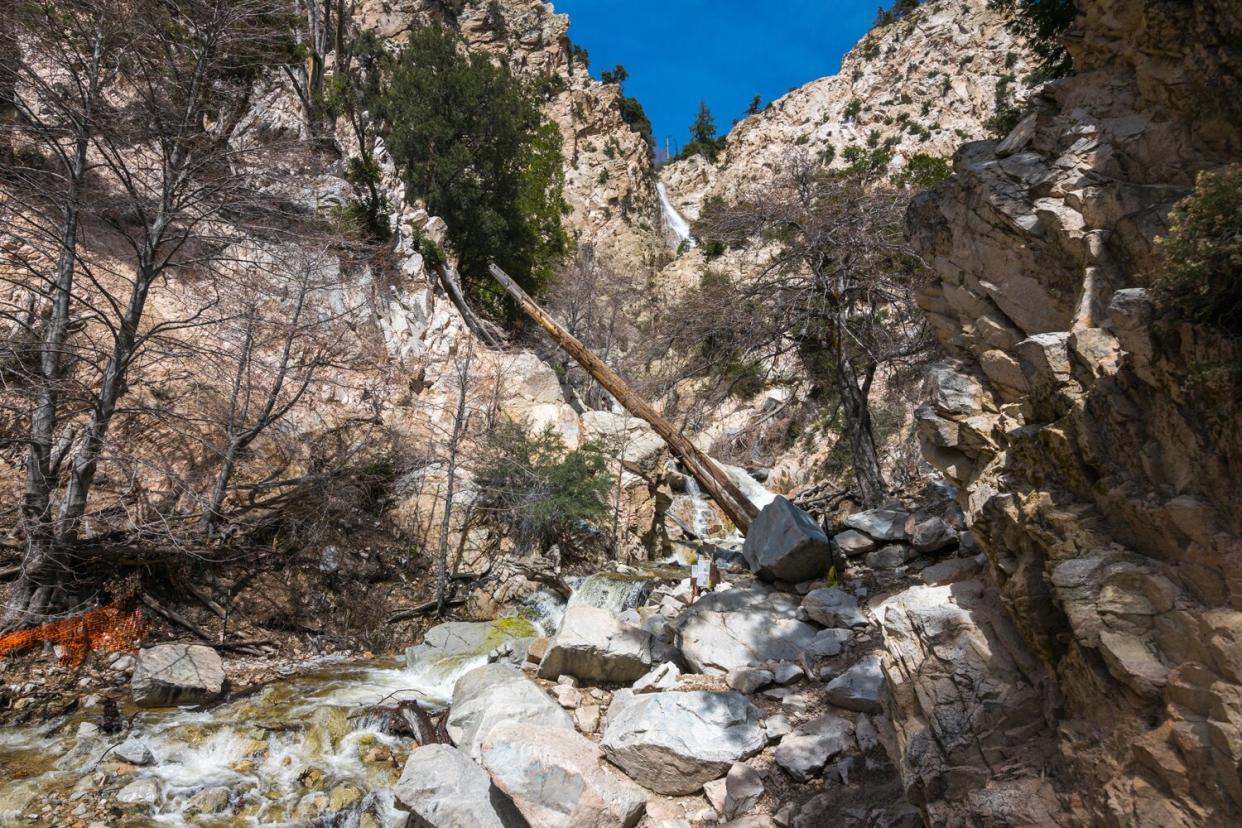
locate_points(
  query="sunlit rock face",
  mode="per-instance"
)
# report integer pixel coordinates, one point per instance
(1096, 449)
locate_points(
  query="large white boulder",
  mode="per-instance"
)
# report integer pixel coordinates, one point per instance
(742, 627)
(594, 645)
(171, 674)
(672, 743)
(442, 788)
(558, 779)
(496, 693)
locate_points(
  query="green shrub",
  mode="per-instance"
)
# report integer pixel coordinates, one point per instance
(925, 171)
(535, 489)
(1202, 276)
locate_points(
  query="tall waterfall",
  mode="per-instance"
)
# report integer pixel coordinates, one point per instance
(673, 220)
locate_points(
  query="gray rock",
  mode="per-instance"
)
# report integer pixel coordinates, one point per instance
(810, 746)
(172, 674)
(442, 788)
(776, 726)
(833, 607)
(890, 557)
(742, 627)
(663, 677)
(458, 640)
(932, 535)
(952, 570)
(865, 734)
(594, 645)
(208, 801)
(858, 688)
(884, 524)
(139, 792)
(495, 693)
(785, 544)
(743, 790)
(749, 679)
(672, 743)
(558, 780)
(853, 543)
(133, 750)
(829, 642)
(787, 672)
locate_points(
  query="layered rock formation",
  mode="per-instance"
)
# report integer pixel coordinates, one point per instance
(1095, 443)
(922, 84)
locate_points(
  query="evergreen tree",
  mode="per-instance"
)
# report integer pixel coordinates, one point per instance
(472, 142)
(704, 127)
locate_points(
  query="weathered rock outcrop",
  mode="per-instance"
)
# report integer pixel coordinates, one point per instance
(1097, 450)
(922, 85)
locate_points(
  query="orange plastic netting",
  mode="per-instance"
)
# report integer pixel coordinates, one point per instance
(113, 628)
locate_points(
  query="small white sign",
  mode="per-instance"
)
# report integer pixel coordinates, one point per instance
(701, 571)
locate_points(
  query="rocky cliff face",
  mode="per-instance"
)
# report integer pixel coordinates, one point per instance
(922, 84)
(609, 178)
(1096, 447)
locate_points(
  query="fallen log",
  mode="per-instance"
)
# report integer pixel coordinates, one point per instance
(712, 480)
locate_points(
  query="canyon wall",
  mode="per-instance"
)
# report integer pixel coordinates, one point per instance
(1094, 440)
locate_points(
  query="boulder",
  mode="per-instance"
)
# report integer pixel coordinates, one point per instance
(884, 524)
(660, 678)
(133, 750)
(890, 556)
(140, 792)
(213, 800)
(672, 743)
(742, 627)
(743, 790)
(785, 544)
(932, 535)
(449, 651)
(833, 607)
(858, 688)
(830, 642)
(495, 693)
(749, 679)
(172, 674)
(594, 645)
(442, 788)
(559, 780)
(853, 543)
(810, 746)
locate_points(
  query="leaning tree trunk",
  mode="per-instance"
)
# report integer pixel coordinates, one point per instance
(715, 482)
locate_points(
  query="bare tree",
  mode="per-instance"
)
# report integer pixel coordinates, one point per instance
(53, 89)
(165, 177)
(261, 395)
(461, 374)
(832, 284)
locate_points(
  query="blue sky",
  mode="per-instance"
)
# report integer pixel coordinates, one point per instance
(725, 52)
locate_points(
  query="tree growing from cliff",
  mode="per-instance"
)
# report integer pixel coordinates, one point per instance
(703, 140)
(835, 288)
(472, 142)
(1202, 276)
(1042, 25)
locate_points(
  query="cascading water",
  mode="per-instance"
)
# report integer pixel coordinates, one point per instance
(701, 509)
(673, 220)
(611, 591)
